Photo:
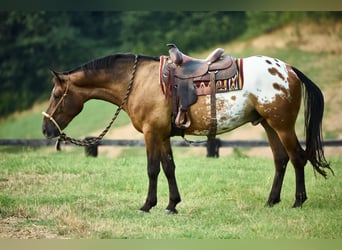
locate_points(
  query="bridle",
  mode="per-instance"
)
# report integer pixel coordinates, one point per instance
(94, 140)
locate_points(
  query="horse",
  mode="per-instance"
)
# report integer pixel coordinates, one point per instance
(271, 96)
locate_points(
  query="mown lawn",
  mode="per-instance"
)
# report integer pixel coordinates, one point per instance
(67, 195)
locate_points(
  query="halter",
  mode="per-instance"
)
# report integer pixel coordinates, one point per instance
(61, 100)
(90, 141)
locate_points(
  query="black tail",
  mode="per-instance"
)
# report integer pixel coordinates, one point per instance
(314, 108)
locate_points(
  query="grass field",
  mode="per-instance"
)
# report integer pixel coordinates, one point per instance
(66, 195)
(44, 194)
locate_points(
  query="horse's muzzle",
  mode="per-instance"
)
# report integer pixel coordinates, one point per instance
(49, 129)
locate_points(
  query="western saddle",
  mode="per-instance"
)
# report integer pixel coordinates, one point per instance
(187, 77)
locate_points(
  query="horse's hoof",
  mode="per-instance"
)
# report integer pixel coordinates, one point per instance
(171, 211)
(300, 199)
(142, 211)
(271, 203)
(295, 205)
(298, 204)
(268, 204)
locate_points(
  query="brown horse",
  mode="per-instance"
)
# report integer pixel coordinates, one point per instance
(271, 95)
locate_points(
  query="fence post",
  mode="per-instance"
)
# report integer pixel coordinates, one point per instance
(91, 150)
(213, 146)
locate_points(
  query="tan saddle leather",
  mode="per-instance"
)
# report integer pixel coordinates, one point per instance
(182, 71)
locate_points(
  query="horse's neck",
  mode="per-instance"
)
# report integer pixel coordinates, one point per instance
(102, 85)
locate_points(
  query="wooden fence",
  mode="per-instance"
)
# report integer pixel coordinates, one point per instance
(212, 147)
(141, 143)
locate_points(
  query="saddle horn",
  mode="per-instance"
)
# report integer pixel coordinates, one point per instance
(175, 55)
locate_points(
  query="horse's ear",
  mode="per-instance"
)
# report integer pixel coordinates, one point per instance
(56, 74)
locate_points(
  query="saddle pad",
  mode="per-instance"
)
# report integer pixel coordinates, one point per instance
(164, 86)
(231, 84)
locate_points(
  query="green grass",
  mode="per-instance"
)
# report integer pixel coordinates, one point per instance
(74, 196)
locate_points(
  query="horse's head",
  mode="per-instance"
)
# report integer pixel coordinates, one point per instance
(64, 105)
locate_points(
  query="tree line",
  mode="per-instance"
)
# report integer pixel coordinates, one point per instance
(33, 42)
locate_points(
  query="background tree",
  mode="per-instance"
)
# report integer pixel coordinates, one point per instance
(32, 42)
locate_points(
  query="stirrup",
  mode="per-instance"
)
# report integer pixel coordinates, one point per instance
(183, 119)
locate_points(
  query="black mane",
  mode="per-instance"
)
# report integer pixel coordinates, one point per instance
(107, 62)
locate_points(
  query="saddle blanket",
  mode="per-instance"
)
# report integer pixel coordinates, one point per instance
(203, 87)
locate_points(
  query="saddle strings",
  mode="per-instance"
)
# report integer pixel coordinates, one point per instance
(91, 141)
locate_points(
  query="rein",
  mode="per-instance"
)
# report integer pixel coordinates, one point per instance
(90, 141)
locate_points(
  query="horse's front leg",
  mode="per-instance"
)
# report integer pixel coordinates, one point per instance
(169, 170)
(153, 150)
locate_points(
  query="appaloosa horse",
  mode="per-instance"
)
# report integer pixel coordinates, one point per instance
(271, 95)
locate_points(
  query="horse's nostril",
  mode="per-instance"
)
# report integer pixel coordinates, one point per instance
(49, 131)
(45, 132)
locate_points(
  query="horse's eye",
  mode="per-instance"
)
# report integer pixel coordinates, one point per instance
(57, 96)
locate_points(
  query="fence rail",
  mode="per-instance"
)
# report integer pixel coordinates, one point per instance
(141, 143)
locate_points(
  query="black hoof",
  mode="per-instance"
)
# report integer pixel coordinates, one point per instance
(297, 205)
(300, 199)
(171, 211)
(271, 203)
(267, 204)
(144, 210)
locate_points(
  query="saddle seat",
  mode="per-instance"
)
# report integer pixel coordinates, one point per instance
(189, 67)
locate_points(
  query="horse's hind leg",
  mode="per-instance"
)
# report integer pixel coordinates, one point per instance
(280, 161)
(298, 159)
(169, 170)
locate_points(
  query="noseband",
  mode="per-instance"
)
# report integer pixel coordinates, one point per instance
(50, 117)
